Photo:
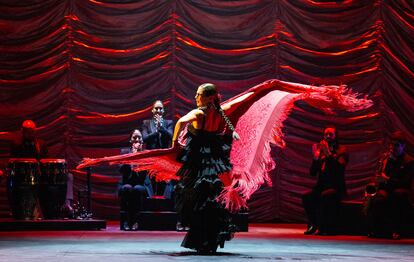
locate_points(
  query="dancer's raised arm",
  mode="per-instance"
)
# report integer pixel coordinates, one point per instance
(232, 104)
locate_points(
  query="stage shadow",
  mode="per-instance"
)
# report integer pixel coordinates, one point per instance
(194, 253)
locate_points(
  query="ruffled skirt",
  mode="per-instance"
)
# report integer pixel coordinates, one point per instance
(204, 158)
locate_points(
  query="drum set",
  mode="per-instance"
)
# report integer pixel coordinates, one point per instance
(34, 184)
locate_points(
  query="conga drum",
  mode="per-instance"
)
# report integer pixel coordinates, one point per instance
(52, 187)
(22, 186)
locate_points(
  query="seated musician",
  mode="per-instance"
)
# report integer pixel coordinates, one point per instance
(134, 186)
(321, 204)
(389, 206)
(28, 145)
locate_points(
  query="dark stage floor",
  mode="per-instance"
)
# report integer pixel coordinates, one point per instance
(263, 242)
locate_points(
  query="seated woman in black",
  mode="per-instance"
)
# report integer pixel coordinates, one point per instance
(133, 188)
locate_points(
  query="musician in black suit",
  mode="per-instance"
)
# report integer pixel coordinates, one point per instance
(134, 186)
(389, 206)
(157, 133)
(321, 204)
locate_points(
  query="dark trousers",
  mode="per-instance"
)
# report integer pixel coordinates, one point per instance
(169, 189)
(131, 198)
(388, 211)
(322, 209)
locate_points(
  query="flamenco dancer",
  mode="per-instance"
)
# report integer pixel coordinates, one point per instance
(217, 176)
(205, 157)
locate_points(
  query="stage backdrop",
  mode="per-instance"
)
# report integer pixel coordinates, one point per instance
(87, 72)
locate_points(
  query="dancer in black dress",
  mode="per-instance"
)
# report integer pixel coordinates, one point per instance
(206, 161)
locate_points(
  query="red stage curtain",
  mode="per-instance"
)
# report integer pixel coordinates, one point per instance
(87, 72)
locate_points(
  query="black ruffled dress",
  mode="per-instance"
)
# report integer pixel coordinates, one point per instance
(205, 156)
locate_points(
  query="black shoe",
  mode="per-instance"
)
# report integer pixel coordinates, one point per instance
(179, 227)
(311, 230)
(221, 244)
(125, 226)
(135, 226)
